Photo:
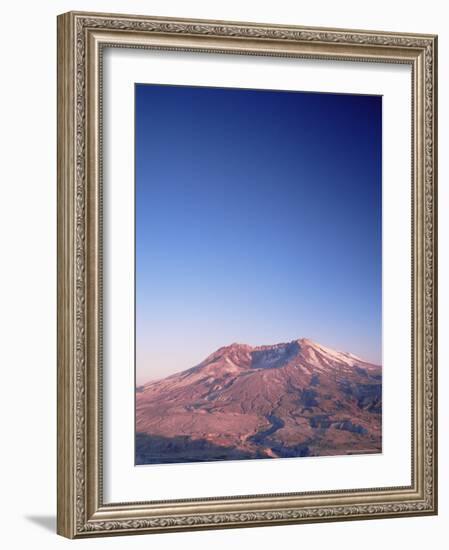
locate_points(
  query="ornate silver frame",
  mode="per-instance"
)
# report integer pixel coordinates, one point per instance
(81, 38)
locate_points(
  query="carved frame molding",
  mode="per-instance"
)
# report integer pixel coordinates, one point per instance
(81, 39)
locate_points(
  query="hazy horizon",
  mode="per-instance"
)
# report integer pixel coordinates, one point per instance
(258, 221)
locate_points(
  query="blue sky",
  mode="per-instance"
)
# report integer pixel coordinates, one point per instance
(258, 220)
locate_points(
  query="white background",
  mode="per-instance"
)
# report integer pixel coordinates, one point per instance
(123, 482)
(28, 271)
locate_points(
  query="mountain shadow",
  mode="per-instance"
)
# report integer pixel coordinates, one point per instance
(157, 449)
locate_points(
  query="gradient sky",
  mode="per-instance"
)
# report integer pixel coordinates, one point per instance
(258, 220)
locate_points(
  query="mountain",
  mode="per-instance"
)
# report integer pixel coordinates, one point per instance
(286, 400)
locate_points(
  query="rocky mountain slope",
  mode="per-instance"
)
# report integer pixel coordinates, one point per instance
(286, 400)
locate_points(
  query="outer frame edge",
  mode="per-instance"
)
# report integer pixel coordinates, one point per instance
(65, 524)
(67, 467)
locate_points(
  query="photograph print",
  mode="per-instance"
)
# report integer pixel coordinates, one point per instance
(258, 253)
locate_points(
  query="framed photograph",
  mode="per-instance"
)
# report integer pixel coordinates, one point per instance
(247, 324)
